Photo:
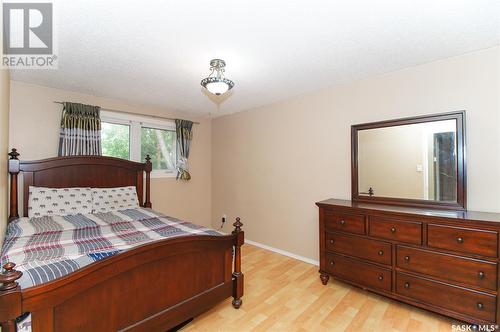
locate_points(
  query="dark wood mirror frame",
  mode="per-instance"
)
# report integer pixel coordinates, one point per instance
(460, 204)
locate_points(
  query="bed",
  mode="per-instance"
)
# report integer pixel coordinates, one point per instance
(151, 286)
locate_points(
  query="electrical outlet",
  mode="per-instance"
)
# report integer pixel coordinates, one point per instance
(223, 220)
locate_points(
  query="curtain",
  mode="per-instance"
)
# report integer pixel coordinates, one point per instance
(80, 132)
(184, 131)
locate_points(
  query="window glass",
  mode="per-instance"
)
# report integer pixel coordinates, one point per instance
(160, 145)
(115, 140)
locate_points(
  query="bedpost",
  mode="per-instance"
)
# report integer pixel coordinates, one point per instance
(10, 298)
(237, 275)
(13, 171)
(148, 169)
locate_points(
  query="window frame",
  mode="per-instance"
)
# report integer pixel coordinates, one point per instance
(136, 123)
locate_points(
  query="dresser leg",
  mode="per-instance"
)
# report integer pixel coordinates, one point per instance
(324, 278)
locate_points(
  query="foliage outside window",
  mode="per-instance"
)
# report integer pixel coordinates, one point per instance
(115, 140)
(133, 137)
(160, 145)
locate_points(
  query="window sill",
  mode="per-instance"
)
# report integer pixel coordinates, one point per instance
(162, 174)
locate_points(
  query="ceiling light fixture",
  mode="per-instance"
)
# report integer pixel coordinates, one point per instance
(216, 83)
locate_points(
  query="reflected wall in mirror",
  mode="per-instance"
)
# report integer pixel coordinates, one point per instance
(415, 161)
(422, 156)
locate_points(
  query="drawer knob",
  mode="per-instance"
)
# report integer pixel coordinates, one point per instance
(393, 229)
(407, 285)
(332, 241)
(480, 306)
(381, 253)
(342, 222)
(380, 277)
(407, 259)
(332, 263)
(480, 275)
(460, 239)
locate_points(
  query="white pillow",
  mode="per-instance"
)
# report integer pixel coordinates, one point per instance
(58, 201)
(112, 199)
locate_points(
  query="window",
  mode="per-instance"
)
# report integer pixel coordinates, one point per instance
(132, 137)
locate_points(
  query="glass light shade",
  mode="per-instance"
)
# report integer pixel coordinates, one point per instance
(217, 85)
(217, 88)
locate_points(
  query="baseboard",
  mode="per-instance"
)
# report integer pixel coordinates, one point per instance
(283, 252)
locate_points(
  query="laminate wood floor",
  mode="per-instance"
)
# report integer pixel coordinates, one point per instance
(284, 294)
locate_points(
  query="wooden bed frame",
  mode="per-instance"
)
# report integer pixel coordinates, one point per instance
(153, 287)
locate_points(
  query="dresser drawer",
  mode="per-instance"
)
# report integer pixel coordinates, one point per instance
(373, 250)
(397, 230)
(444, 266)
(349, 223)
(472, 241)
(462, 300)
(364, 274)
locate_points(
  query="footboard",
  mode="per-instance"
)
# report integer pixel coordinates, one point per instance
(150, 288)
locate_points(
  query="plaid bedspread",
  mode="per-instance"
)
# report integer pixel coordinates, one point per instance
(47, 248)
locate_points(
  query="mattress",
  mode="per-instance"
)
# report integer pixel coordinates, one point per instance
(48, 248)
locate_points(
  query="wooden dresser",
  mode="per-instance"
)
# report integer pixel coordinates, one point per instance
(443, 261)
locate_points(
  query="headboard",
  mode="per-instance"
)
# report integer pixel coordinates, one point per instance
(77, 171)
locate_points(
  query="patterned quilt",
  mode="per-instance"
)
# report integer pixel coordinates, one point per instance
(47, 248)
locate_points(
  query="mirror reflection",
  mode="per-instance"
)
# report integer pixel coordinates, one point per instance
(415, 161)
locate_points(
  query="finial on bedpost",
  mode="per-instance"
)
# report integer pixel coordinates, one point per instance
(10, 298)
(148, 169)
(13, 154)
(239, 239)
(237, 225)
(9, 277)
(13, 171)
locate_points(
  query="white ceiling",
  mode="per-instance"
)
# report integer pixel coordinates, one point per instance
(156, 52)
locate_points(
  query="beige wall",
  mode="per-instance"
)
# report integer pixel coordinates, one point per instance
(270, 164)
(388, 157)
(34, 131)
(4, 145)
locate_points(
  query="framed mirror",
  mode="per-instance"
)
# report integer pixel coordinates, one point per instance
(417, 161)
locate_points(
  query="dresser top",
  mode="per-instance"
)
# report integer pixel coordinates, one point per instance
(457, 215)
